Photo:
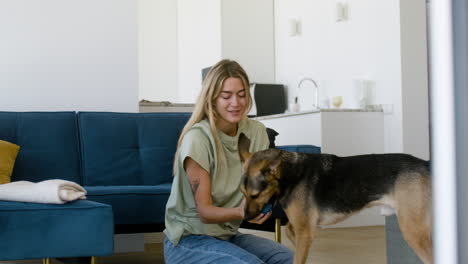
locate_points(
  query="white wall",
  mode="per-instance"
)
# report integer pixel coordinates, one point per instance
(335, 53)
(199, 44)
(179, 38)
(366, 46)
(157, 48)
(248, 37)
(68, 55)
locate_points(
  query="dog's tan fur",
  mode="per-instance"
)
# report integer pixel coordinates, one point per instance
(410, 197)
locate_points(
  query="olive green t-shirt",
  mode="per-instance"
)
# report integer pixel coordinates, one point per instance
(181, 213)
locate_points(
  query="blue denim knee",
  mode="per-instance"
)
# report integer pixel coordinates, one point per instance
(238, 249)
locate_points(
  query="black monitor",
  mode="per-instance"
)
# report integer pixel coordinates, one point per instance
(270, 99)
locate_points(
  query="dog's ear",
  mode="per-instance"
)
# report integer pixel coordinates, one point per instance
(243, 148)
(274, 165)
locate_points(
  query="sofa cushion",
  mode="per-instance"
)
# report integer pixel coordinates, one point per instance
(31, 230)
(8, 153)
(129, 148)
(133, 204)
(49, 146)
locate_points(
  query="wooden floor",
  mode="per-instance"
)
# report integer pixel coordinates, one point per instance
(358, 245)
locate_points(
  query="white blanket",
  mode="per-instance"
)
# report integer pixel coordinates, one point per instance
(50, 191)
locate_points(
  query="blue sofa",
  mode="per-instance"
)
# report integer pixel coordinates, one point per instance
(126, 161)
(123, 160)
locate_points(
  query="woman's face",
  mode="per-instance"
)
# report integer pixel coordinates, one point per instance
(231, 103)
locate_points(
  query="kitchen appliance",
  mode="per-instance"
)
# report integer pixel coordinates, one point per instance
(268, 99)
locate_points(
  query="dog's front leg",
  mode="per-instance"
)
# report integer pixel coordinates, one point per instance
(303, 243)
(303, 232)
(290, 233)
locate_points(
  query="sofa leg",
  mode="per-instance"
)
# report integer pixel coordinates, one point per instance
(93, 260)
(46, 261)
(278, 230)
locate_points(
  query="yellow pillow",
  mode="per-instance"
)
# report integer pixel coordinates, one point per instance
(8, 153)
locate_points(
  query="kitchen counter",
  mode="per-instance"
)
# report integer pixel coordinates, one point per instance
(372, 108)
(164, 106)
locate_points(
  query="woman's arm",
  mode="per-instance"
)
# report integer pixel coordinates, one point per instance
(200, 183)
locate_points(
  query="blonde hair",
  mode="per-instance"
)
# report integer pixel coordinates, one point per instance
(204, 107)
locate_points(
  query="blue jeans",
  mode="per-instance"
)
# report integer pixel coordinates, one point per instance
(240, 248)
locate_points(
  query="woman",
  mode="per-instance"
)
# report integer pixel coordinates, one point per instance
(206, 207)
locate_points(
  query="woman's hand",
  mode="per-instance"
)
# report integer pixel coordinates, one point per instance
(261, 218)
(257, 220)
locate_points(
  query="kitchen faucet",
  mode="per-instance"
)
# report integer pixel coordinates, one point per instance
(316, 105)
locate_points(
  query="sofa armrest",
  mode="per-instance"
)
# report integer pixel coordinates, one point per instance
(301, 148)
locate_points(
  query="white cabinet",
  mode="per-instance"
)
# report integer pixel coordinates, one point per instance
(342, 133)
(339, 132)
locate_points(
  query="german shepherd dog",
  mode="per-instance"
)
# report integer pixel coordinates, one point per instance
(323, 189)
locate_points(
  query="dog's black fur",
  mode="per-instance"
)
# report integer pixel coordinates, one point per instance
(322, 189)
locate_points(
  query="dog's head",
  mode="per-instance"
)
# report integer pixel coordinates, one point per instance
(260, 176)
